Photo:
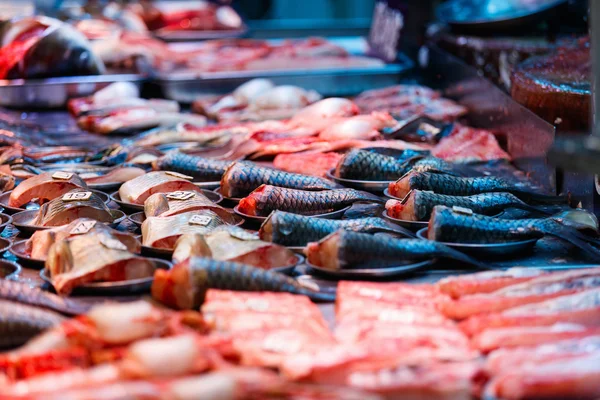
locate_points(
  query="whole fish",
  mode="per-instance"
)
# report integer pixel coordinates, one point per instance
(267, 198)
(297, 230)
(61, 212)
(418, 205)
(139, 189)
(459, 186)
(43, 187)
(448, 225)
(161, 205)
(23, 293)
(242, 177)
(192, 278)
(163, 232)
(21, 322)
(346, 250)
(371, 166)
(202, 169)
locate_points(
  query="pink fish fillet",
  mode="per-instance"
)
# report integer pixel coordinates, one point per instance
(43, 187)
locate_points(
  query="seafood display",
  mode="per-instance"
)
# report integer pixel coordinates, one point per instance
(45, 187)
(202, 169)
(170, 204)
(137, 190)
(75, 204)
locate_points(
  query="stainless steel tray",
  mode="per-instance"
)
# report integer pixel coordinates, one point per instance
(191, 35)
(55, 92)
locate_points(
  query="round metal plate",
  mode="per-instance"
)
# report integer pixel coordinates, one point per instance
(412, 225)
(5, 245)
(18, 250)
(330, 215)
(24, 221)
(366, 273)
(137, 218)
(9, 269)
(132, 286)
(369, 186)
(4, 197)
(208, 185)
(148, 251)
(227, 200)
(506, 249)
(386, 193)
(105, 186)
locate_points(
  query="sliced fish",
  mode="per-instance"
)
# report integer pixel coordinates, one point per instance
(170, 204)
(139, 189)
(44, 187)
(371, 166)
(25, 294)
(21, 322)
(61, 212)
(163, 232)
(203, 169)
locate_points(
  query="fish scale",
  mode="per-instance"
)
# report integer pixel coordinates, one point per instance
(212, 274)
(242, 177)
(22, 293)
(368, 165)
(199, 167)
(21, 322)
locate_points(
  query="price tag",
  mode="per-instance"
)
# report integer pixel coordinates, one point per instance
(462, 210)
(181, 195)
(201, 220)
(62, 175)
(178, 175)
(387, 23)
(82, 227)
(77, 196)
(112, 244)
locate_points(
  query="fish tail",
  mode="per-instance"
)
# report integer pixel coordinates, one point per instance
(570, 235)
(539, 209)
(538, 197)
(458, 256)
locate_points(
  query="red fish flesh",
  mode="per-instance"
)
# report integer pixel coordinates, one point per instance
(44, 187)
(307, 163)
(139, 189)
(362, 127)
(469, 144)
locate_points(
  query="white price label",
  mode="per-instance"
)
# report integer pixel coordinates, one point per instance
(180, 195)
(74, 196)
(201, 220)
(62, 175)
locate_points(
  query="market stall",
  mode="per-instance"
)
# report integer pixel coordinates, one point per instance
(240, 218)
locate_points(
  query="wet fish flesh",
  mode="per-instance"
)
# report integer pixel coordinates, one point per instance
(21, 322)
(231, 243)
(459, 186)
(448, 225)
(91, 106)
(186, 284)
(117, 175)
(25, 294)
(418, 205)
(267, 198)
(242, 177)
(61, 212)
(290, 229)
(43, 187)
(352, 250)
(93, 257)
(533, 291)
(163, 232)
(580, 308)
(202, 169)
(40, 242)
(371, 166)
(137, 190)
(160, 205)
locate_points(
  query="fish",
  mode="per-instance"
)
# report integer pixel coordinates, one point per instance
(161, 205)
(581, 308)
(231, 243)
(90, 106)
(345, 249)
(532, 291)
(461, 186)
(185, 285)
(457, 286)
(242, 177)
(117, 175)
(434, 164)
(367, 165)
(25, 294)
(202, 169)
(93, 257)
(267, 198)
(21, 322)
(44, 187)
(289, 229)
(137, 190)
(190, 245)
(163, 232)
(418, 205)
(201, 135)
(40, 242)
(61, 212)
(456, 226)
(361, 127)
(307, 163)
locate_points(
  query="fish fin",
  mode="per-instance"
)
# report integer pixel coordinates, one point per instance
(570, 235)
(538, 197)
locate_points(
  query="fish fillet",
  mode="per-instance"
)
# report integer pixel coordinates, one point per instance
(163, 232)
(61, 212)
(139, 189)
(43, 187)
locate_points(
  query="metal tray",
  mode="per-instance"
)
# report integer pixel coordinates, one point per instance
(412, 225)
(259, 220)
(371, 272)
(34, 206)
(55, 92)
(190, 36)
(504, 250)
(369, 186)
(132, 286)
(9, 269)
(23, 221)
(18, 250)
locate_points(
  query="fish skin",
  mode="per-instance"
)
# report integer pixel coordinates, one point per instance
(25, 294)
(43, 187)
(139, 189)
(160, 205)
(433, 164)
(21, 322)
(290, 229)
(59, 212)
(368, 165)
(242, 177)
(163, 232)
(346, 250)
(120, 174)
(203, 169)
(266, 199)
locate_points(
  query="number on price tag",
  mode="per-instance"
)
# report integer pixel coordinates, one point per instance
(180, 195)
(62, 175)
(178, 175)
(82, 227)
(77, 196)
(201, 220)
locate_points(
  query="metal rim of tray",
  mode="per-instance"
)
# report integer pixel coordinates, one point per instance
(18, 250)
(412, 225)
(228, 199)
(139, 285)
(5, 220)
(194, 35)
(5, 245)
(13, 210)
(15, 269)
(506, 246)
(330, 215)
(23, 221)
(387, 194)
(369, 186)
(73, 80)
(371, 272)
